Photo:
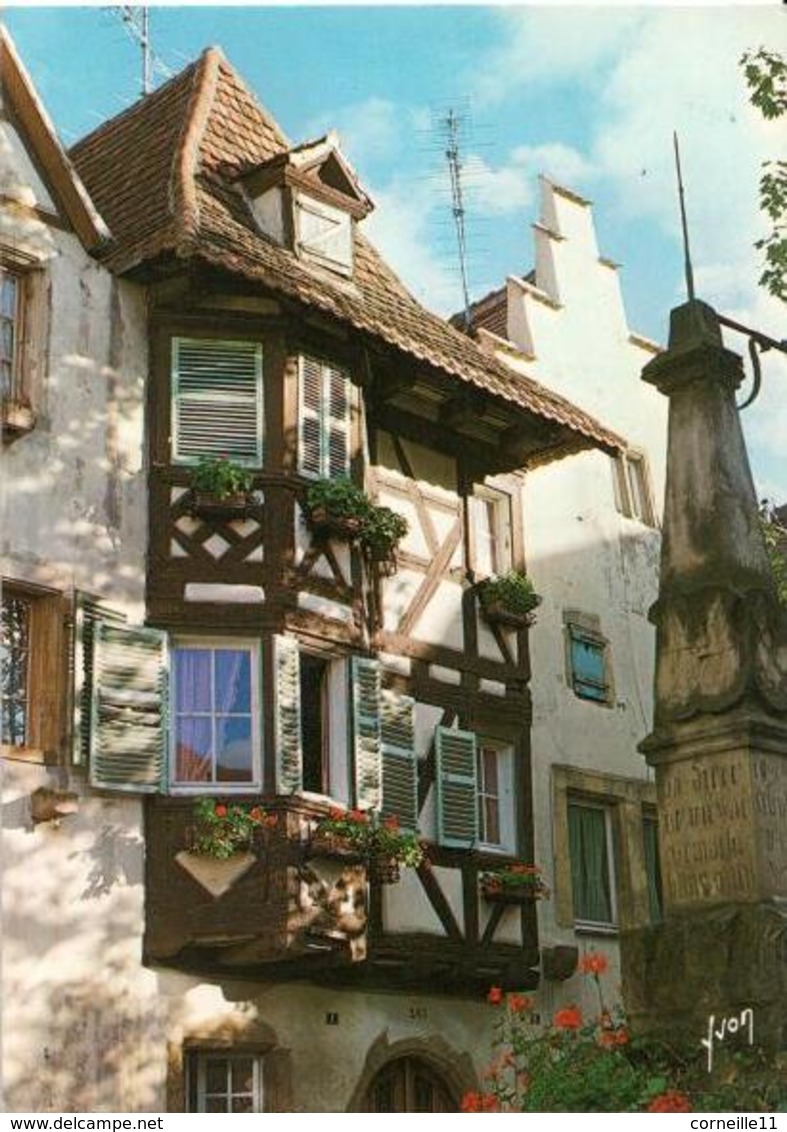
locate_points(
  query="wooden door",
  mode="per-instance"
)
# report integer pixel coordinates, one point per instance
(408, 1085)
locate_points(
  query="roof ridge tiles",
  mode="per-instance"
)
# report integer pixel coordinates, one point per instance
(183, 199)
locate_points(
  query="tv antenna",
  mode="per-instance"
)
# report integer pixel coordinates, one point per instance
(136, 20)
(450, 125)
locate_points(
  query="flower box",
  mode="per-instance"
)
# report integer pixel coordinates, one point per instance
(497, 614)
(512, 896)
(325, 525)
(384, 869)
(517, 883)
(210, 506)
(332, 845)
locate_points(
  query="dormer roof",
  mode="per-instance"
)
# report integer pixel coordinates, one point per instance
(166, 174)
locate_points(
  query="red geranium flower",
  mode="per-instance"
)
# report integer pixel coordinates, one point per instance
(335, 814)
(495, 996)
(593, 963)
(671, 1101)
(569, 1018)
(519, 1002)
(256, 814)
(358, 815)
(392, 822)
(471, 1102)
(220, 810)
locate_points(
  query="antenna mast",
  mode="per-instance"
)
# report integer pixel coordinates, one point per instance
(137, 20)
(684, 224)
(452, 124)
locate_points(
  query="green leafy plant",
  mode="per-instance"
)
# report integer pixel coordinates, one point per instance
(514, 878)
(223, 829)
(513, 591)
(220, 476)
(383, 529)
(339, 498)
(775, 536)
(766, 76)
(579, 1064)
(371, 836)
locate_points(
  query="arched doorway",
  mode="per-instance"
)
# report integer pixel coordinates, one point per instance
(408, 1084)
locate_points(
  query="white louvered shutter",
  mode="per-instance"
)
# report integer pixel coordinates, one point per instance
(366, 731)
(400, 769)
(87, 612)
(128, 723)
(310, 415)
(337, 454)
(217, 399)
(457, 805)
(287, 710)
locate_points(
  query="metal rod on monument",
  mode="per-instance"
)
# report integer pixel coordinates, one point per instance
(686, 254)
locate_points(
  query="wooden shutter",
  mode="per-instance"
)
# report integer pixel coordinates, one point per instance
(87, 612)
(217, 399)
(400, 769)
(324, 233)
(337, 440)
(287, 710)
(310, 417)
(128, 720)
(366, 731)
(457, 804)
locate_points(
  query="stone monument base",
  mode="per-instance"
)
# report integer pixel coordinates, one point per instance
(727, 963)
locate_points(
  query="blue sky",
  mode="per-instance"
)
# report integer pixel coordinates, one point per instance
(588, 95)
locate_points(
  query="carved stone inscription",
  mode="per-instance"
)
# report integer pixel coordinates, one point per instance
(708, 831)
(769, 789)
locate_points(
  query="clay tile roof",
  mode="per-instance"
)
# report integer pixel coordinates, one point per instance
(163, 174)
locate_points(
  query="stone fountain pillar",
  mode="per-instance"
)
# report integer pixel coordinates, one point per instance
(719, 739)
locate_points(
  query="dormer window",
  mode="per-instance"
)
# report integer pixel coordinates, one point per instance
(323, 233)
(309, 199)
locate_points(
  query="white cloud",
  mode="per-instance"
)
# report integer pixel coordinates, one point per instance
(369, 130)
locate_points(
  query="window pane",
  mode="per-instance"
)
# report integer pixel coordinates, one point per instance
(193, 746)
(234, 761)
(215, 1075)
(242, 1069)
(233, 681)
(15, 658)
(192, 680)
(636, 475)
(590, 879)
(650, 829)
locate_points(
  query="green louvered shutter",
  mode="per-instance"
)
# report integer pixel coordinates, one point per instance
(287, 710)
(217, 399)
(400, 770)
(457, 804)
(128, 732)
(366, 731)
(87, 611)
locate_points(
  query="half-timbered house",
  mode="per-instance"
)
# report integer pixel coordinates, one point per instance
(278, 664)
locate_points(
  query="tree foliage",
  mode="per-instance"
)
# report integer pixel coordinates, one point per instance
(766, 77)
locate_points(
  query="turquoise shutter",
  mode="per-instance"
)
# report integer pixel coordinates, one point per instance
(366, 732)
(400, 769)
(287, 712)
(87, 612)
(128, 720)
(457, 803)
(217, 405)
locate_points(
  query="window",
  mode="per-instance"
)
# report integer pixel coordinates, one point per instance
(592, 864)
(315, 719)
(224, 1082)
(456, 768)
(633, 496)
(490, 521)
(32, 670)
(10, 320)
(323, 419)
(217, 401)
(324, 234)
(650, 832)
(15, 645)
(215, 714)
(495, 787)
(588, 661)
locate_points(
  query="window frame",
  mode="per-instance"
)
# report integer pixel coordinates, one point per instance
(175, 398)
(650, 818)
(582, 923)
(196, 1065)
(252, 646)
(20, 405)
(47, 673)
(305, 203)
(632, 487)
(502, 536)
(505, 797)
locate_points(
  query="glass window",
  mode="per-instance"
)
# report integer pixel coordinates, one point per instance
(224, 1082)
(495, 793)
(592, 866)
(650, 830)
(215, 717)
(15, 658)
(490, 512)
(632, 487)
(10, 300)
(314, 679)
